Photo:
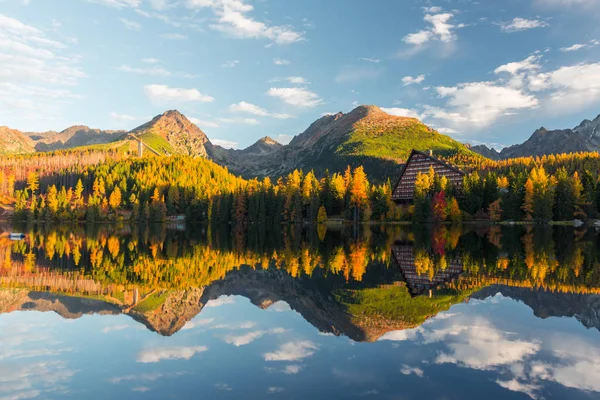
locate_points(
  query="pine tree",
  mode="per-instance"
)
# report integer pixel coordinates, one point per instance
(33, 183)
(322, 216)
(115, 199)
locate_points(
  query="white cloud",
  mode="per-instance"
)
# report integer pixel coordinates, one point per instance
(292, 369)
(203, 123)
(242, 340)
(37, 73)
(371, 60)
(275, 389)
(528, 64)
(129, 24)
(401, 112)
(233, 20)
(173, 36)
(418, 38)
(432, 10)
(247, 121)
(515, 386)
(408, 370)
(220, 301)
(478, 104)
(150, 60)
(169, 353)
(198, 321)
(296, 80)
(227, 144)
(570, 88)
(280, 61)
(281, 305)
(122, 117)
(483, 347)
(249, 337)
(574, 47)
(230, 64)
(440, 29)
(248, 108)
(154, 71)
(292, 351)
(521, 24)
(298, 97)
(163, 94)
(409, 80)
(400, 335)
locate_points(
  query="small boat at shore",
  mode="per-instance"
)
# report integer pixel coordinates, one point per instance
(16, 236)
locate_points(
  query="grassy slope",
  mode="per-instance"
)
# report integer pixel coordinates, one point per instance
(157, 142)
(394, 303)
(395, 141)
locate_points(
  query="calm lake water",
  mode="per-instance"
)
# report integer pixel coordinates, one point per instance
(372, 312)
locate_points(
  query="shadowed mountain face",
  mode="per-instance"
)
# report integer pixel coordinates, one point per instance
(585, 137)
(68, 307)
(74, 136)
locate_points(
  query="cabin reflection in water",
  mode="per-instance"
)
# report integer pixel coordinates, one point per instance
(421, 280)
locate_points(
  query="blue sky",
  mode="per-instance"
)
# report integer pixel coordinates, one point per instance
(481, 71)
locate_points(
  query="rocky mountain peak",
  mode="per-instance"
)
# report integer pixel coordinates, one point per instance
(269, 141)
(181, 135)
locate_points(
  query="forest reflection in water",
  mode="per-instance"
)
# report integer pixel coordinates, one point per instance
(359, 282)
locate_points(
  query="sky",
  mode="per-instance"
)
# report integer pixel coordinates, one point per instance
(480, 71)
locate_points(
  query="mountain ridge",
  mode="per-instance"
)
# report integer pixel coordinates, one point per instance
(365, 136)
(583, 138)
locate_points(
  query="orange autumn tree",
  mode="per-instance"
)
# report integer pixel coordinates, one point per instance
(359, 194)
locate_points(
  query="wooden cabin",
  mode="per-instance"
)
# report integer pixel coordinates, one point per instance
(420, 162)
(416, 283)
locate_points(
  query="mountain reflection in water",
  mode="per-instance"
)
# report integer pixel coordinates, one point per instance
(359, 284)
(423, 300)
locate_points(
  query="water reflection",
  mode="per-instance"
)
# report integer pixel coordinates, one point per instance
(390, 285)
(346, 283)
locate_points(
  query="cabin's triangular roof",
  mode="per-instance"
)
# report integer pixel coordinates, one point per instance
(432, 158)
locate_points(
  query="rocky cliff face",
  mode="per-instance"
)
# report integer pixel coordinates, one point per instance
(584, 137)
(173, 133)
(487, 152)
(13, 141)
(179, 308)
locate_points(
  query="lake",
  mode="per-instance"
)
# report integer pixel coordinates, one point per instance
(382, 312)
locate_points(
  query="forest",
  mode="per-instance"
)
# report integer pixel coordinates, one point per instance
(100, 259)
(67, 186)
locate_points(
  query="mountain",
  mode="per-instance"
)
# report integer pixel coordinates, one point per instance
(13, 141)
(172, 133)
(365, 136)
(583, 307)
(584, 137)
(74, 136)
(487, 152)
